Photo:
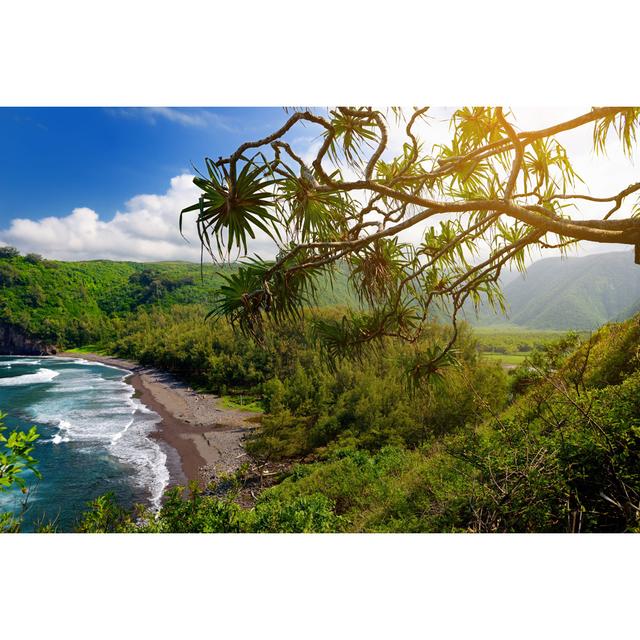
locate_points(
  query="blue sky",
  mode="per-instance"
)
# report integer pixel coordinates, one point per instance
(56, 159)
(86, 183)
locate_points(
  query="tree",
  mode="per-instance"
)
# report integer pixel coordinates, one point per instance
(15, 458)
(490, 187)
(34, 258)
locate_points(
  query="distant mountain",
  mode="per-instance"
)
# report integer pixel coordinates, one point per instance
(630, 311)
(571, 293)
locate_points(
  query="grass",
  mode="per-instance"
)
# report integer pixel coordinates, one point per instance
(511, 345)
(89, 348)
(511, 329)
(505, 358)
(242, 403)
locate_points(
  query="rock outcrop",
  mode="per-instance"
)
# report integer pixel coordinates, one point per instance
(13, 341)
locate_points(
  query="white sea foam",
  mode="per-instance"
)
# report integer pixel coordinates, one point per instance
(42, 375)
(26, 361)
(121, 433)
(63, 425)
(133, 446)
(101, 412)
(102, 364)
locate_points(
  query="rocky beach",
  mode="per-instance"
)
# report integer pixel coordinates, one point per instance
(207, 437)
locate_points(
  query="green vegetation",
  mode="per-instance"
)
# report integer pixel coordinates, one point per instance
(242, 402)
(310, 401)
(553, 446)
(201, 513)
(15, 459)
(514, 339)
(73, 304)
(90, 348)
(505, 358)
(510, 345)
(556, 450)
(488, 185)
(571, 293)
(386, 419)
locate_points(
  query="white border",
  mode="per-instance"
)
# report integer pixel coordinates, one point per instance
(212, 53)
(327, 586)
(202, 53)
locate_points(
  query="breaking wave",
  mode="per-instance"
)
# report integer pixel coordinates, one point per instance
(94, 407)
(42, 375)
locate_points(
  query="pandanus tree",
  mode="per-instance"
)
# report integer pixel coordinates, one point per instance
(481, 201)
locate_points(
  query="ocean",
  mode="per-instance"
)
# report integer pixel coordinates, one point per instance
(94, 438)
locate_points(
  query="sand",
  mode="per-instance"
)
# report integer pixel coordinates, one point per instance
(202, 439)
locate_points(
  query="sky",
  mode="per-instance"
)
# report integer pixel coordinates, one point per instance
(88, 183)
(79, 183)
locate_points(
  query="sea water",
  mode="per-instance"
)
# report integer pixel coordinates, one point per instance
(94, 438)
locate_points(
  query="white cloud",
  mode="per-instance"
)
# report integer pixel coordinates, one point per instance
(147, 230)
(186, 117)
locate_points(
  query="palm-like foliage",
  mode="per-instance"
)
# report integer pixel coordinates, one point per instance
(350, 337)
(625, 124)
(377, 269)
(358, 334)
(314, 214)
(476, 204)
(407, 166)
(547, 166)
(250, 295)
(474, 126)
(428, 367)
(228, 210)
(351, 135)
(241, 298)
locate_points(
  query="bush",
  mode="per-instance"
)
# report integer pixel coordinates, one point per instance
(306, 514)
(16, 448)
(34, 258)
(202, 513)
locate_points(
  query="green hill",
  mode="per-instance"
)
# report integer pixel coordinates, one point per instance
(572, 293)
(46, 303)
(629, 311)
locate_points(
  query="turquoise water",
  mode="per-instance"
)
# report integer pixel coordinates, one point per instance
(94, 437)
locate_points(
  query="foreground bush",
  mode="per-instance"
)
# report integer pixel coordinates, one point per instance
(201, 513)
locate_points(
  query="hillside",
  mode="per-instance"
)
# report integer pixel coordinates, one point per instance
(571, 293)
(629, 311)
(46, 303)
(553, 447)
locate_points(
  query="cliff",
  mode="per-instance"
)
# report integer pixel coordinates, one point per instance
(13, 341)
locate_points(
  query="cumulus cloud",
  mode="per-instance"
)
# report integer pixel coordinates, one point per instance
(146, 231)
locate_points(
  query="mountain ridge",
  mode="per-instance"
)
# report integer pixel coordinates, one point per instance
(570, 293)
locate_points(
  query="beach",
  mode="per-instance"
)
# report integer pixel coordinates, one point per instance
(203, 439)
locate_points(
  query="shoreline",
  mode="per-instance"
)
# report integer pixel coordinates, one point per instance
(201, 439)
